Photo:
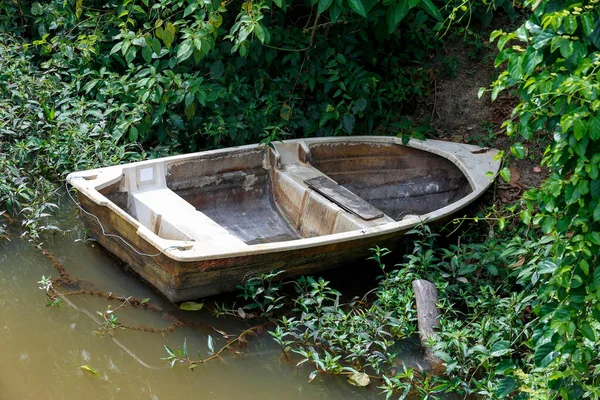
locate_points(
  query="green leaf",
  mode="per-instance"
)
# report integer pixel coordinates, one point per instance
(495, 34)
(579, 128)
(217, 69)
(147, 54)
(526, 217)
(496, 90)
(594, 127)
(431, 9)
(116, 47)
(185, 50)
(156, 46)
(130, 54)
(169, 351)
(596, 279)
(518, 150)
(358, 7)
(168, 35)
(36, 9)
(190, 111)
(544, 355)
(335, 11)
(286, 112)
(596, 312)
(323, 6)
(396, 13)
(359, 106)
(566, 48)
(190, 9)
(505, 174)
(91, 370)
(531, 60)
(595, 188)
(548, 225)
(583, 187)
(588, 332)
(587, 22)
(185, 352)
(570, 24)
(515, 69)
(595, 238)
(596, 214)
(585, 266)
(500, 348)
(506, 387)
(349, 121)
(547, 267)
(176, 121)
(191, 306)
(595, 36)
(561, 315)
(542, 39)
(133, 134)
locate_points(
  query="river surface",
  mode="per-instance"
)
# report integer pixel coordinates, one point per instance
(43, 348)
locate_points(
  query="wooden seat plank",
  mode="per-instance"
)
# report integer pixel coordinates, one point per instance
(344, 198)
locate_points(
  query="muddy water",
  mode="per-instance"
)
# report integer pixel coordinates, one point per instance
(42, 348)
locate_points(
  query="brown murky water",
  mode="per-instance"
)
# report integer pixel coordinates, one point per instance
(43, 348)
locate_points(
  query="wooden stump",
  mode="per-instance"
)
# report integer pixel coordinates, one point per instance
(428, 317)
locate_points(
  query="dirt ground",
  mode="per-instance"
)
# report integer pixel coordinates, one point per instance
(457, 114)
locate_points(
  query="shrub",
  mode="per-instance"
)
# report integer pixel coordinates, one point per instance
(552, 60)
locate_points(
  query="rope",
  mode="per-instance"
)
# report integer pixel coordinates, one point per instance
(112, 234)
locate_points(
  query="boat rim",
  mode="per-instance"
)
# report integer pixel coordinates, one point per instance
(479, 165)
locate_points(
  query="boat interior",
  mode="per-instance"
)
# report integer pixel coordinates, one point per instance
(292, 190)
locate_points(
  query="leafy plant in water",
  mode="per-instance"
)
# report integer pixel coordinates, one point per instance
(264, 294)
(46, 285)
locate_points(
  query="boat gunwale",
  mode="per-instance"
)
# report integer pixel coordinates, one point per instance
(469, 163)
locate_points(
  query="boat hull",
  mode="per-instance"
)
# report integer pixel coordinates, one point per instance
(322, 202)
(185, 280)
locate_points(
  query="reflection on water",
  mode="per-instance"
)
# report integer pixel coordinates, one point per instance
(42, 348)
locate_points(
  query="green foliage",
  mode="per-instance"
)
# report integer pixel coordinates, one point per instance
(104, 82)
(335, 337)
(45, 132)
(485, 327)
(462, 13)
(179, 70)
(552, 60)
(264, 294)
(51, 299)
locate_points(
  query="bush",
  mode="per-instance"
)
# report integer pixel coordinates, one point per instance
(552, 60)
(98, 83)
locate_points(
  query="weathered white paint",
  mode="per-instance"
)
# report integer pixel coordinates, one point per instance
(212, 243)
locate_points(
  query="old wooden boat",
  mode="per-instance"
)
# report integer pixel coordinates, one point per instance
(196, 225)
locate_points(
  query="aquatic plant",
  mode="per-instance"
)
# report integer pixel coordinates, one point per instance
(51, 299)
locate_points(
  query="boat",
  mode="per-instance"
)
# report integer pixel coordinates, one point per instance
(198, 224)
